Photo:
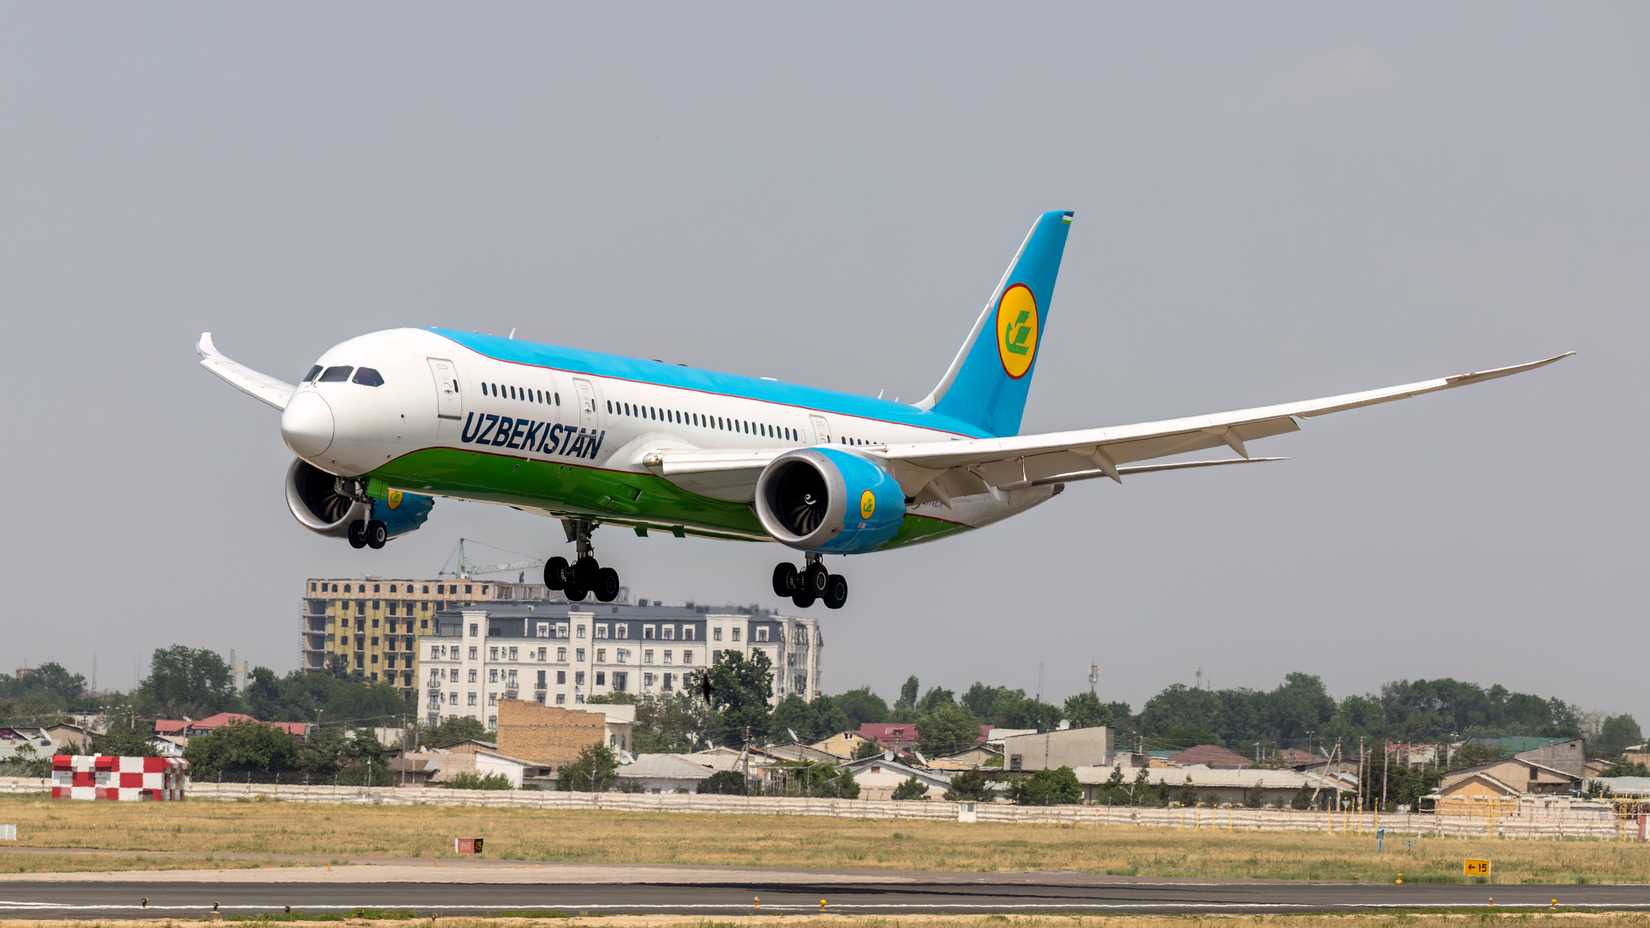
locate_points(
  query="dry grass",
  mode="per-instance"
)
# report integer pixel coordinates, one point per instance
(1499, 920)
(231, 834)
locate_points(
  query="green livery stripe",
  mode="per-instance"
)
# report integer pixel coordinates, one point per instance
(620, 497)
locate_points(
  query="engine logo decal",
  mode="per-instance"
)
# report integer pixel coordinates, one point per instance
(393, 499)
(867, 504)
(1017, 330)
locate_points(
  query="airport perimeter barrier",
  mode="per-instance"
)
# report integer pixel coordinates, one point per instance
(1190, 819)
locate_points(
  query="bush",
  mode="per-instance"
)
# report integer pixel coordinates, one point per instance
(596, 771)
(969, 786)
(1048, 788)
(912, 788)
(725, 783)
(468, 780)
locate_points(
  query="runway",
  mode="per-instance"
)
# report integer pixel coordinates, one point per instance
(110, 898)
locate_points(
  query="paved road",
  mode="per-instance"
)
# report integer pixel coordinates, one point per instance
(114, 899)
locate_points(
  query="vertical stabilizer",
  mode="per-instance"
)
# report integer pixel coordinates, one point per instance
(989, 379)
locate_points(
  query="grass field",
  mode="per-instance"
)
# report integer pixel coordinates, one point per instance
(239, 834)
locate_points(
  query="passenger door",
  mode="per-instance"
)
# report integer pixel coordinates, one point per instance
(822, 430)
(587, 402)
(448, 403)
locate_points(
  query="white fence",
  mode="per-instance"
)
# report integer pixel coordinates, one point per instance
(1597, 825)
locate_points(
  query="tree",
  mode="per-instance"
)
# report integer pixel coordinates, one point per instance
(595, 771)
(811, 720)
(868, 749)
(1624, 769)
(725, 783)
(912, 788)
(739, 691)
(1085, 710)
(862, 706)
(124, 738)
(1048, 788)
(1114, 792)
(454, 729)
(1472, 754)
(906, 706)
(670, 724)
(1617, 734)
(50, 686)
(185, 681)
(969, 786)
(241, 749)
(946, 730)
(933, 699)
(1188, 792)
(469, 780)
(264, 695)
(1140, 792)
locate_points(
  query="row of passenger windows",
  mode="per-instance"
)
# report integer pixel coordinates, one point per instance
(524, 394)
(365, 376)
(704, 421)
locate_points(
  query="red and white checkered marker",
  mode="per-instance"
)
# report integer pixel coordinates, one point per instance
(125, 779)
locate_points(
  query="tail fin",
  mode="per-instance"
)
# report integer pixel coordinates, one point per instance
(987, 382)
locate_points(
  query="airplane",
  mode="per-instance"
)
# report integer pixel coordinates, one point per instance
(385, 422)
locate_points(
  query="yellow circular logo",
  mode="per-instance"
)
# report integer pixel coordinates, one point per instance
(1017, 330)
(393, 498)
(867, 504)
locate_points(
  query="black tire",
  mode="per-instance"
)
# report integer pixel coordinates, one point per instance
(555, 573)
(357, 534)
(803, 598)
(784, 579)
(836, 592)
(377, 534)
(607, 584)
(585, 570)
(815, 578)
(575, 593)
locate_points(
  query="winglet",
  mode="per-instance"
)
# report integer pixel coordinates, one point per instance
(205, 348)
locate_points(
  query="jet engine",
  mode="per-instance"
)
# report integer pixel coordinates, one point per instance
(829, 500)
(314, 498)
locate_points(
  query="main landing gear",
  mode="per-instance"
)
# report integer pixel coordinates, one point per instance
(584, 576)
(812, 582)
(367, 534)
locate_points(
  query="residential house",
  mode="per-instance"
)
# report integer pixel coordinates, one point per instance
(878, 778)
(24, 744)
(664, 773)
(890, 736)
(844, 745)
(553, 736)
(797, 753)
(1467, 791)
(68, 738)
(973, 758)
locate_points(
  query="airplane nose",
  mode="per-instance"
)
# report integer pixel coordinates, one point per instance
(306, 425)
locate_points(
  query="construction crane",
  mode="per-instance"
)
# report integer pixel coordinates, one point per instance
(459, 565)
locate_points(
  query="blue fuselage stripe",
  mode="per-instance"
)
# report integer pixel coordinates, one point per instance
(596, 364)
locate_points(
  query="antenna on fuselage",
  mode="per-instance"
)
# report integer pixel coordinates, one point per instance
(512, 335)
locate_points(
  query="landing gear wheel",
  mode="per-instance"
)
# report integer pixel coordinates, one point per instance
(803, 598)
(836, 591)
(785, 579)
(357, 534)
(815, 578)
(585, 570)
(377, 534)
(575, 593)
(607, 584)
(555, 573)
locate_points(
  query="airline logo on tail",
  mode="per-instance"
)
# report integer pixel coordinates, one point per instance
(1017, 330)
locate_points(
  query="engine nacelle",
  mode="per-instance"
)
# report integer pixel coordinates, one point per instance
(829, 500)
(312, 495)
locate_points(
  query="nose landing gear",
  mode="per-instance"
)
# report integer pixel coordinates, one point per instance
(585, 575)
(812, 582)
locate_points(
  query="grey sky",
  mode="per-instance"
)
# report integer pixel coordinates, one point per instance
(1273, 203)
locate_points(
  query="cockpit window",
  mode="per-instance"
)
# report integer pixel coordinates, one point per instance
(367, 377)
(335, 374)
(312, 372)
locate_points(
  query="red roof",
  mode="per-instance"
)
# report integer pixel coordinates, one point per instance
(219, 720)
(886, 733)
(170, 726)
(215, 722)
(296, 729)
(1212, 755)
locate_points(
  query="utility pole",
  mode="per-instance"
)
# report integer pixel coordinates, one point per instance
(1361, 791)
(1386, 762)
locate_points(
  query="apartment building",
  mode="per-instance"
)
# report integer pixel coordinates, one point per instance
(371, 625)
(559, 654)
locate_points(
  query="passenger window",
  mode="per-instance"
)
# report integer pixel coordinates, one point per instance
(367, 377)
(311, 375)
(335, 374)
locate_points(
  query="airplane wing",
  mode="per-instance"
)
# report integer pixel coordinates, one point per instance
(940, 470)
(261, 387)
